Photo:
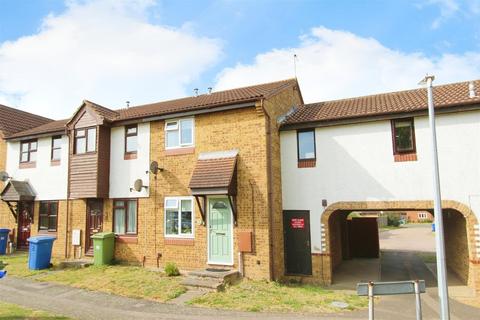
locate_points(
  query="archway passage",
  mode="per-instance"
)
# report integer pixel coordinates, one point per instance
(348, 240)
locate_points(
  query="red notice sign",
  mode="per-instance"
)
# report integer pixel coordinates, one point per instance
(297, 223)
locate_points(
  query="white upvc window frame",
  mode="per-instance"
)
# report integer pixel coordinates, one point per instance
(178, 128)
(178, 200)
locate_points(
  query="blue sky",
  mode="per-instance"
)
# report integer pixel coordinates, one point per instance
(379, 45)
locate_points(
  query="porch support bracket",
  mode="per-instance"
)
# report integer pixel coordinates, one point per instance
(13, 209)
(201, 206)
(233, 203)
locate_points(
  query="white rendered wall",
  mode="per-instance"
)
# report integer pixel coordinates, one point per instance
(123, 173)
(49, 182)
(355, 163)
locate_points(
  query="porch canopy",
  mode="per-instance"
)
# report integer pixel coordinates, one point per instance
(215, 173)
(14, 192)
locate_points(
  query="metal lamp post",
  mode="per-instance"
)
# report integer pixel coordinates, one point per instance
(437, 201)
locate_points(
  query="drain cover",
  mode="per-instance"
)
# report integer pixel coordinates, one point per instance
(339, 304)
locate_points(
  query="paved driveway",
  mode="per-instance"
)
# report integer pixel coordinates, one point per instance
(411, 237)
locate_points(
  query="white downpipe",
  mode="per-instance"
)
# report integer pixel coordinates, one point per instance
(240, 264)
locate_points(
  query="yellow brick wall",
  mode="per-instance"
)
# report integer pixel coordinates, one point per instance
(58, 250)
(6, 217)
(242, 129)
(275, 107)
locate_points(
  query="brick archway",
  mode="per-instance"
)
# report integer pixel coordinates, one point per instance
(468, 266)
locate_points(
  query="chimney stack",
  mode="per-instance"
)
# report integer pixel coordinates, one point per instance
(195, 92)
(209, 90)
(127, 103)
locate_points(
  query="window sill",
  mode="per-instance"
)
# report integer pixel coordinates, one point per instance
(45, 232)
(403, 157)
(55, 163)
(130, 156)
(180, 241)
(27, 165)
(179, 151)
(307, 163)
(126, 239)
(84, 154)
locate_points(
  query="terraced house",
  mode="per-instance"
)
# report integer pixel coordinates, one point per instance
(370, 154)
(195, 181)
(13, 121)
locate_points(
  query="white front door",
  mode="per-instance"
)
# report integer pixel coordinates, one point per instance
(220, 231)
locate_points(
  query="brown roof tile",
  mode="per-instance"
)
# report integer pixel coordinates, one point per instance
(204, 101)
(214, 170)
(106, 113)
(50, 127)
(448, 95)
(13, 120)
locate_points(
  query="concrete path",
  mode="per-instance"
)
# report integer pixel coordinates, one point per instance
(398, 266)
(410, 237)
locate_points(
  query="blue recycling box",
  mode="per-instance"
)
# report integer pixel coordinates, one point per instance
(3, 240)
(40, 252)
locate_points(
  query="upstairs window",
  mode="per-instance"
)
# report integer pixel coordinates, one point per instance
(125, 217)
(306, 144)
(56, 148)
(403, 136)
(179, 133)
(131, 139)
(85, 140)
(48, 216)
(28, 151)
(179, 217)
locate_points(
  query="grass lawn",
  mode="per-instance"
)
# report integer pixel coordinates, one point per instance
(122, 280)
(14, 312)
(276, 297)
(138, 282)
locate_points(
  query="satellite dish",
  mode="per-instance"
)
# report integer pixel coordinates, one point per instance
(138, 185)
(4, 176)
(154, 167)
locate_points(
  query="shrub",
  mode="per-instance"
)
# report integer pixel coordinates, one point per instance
(171, 269)
(393, 221)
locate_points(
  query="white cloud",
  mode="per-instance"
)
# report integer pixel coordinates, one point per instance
(336, 64)
(106, 51)
(448, 8)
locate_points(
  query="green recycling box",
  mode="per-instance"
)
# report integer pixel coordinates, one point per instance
(103, 248)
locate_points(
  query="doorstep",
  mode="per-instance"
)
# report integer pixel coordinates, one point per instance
(210, 279)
